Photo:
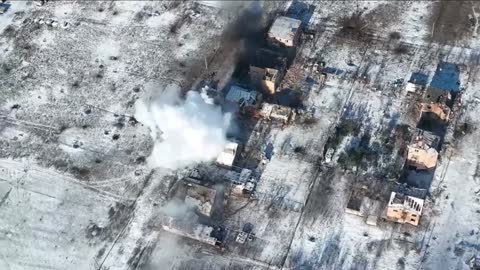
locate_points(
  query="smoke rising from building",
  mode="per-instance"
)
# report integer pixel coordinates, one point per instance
(178, 209)
(247, 25)
(186, 131)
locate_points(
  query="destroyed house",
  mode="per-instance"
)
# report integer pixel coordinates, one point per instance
(192, 230)
(238, 178)
(285, 31)
(437, 102)
(422, 153)
(277, 112)
(406, 205)
(242, 97)
(243, 181)
(440, 94)
(360, 204)
(439, 109)
(417, 83)
(266, 70)
(431, 122)
(435, 95)
(200, 197)
(444, 85)
(215, 174)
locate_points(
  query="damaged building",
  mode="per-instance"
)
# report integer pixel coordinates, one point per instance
(405, 205)
(275, 112)
(440, 94)
(266, 70)
(200, 197)
(285, 31)
(196, 231)
(435, 102)
(359, 204)
(422, 152)
(243, 98)
(242, 182)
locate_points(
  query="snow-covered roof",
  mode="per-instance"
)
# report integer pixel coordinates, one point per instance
(227, 157)
(412, 87)
(284, 28)
(238, 94)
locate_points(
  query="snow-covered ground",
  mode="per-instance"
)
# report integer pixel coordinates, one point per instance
(76, 192)
(45, 216)
(454, 231)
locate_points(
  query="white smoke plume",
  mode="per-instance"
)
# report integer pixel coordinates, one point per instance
(177, 208)
(186, 131)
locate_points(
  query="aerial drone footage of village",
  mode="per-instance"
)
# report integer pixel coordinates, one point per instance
(253, 135)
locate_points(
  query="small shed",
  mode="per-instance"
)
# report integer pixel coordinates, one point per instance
(417, 82)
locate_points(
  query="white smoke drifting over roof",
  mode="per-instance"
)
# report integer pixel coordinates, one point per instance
(187, 131)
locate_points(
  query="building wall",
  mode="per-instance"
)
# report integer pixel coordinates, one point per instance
(285, 42)
(268, 86)
(256, 76)
(353, 212)
(400, 215)
(441, 111)
(395, 213)
(421, 158)
(412, 218)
